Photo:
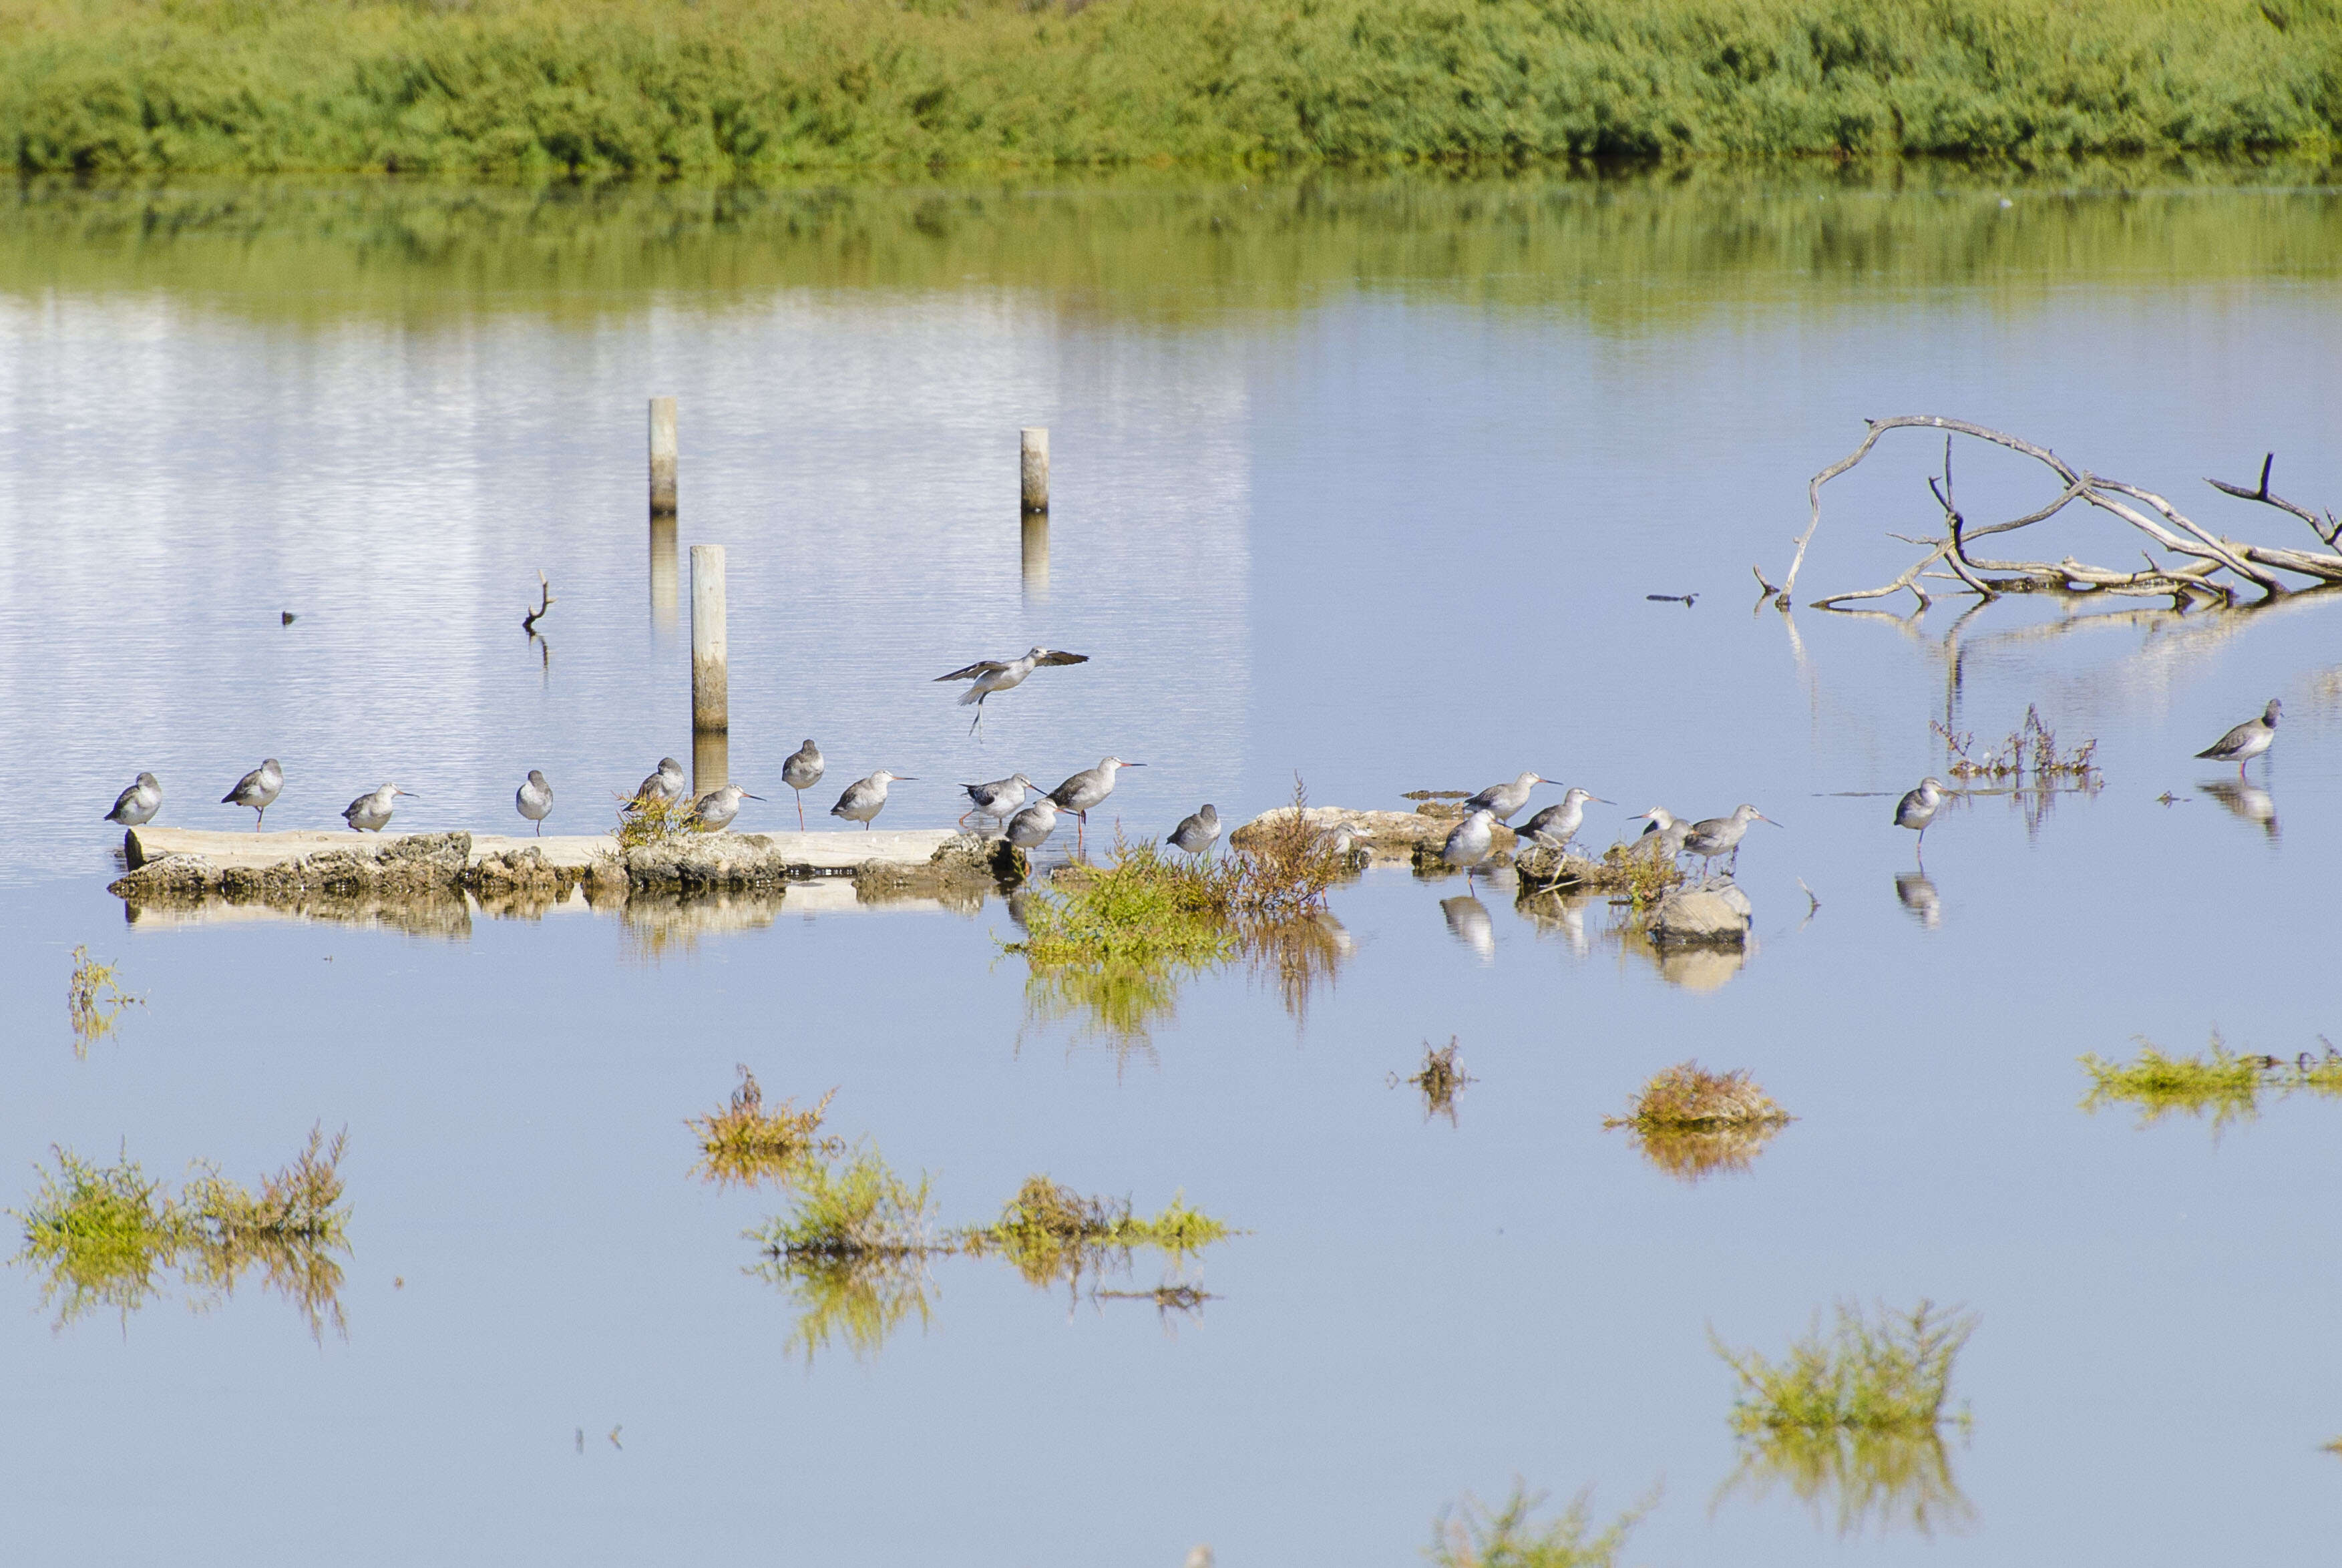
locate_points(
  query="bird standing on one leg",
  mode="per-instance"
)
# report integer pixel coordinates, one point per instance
(801, 772)
(1916, 809)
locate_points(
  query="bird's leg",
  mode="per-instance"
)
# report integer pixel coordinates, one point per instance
(801, 826)
(540, 828)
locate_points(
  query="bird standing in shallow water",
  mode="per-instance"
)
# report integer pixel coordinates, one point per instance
(2248, 739)
(1030, 829)
(801, 772)
(1086, 789)
(1471, 843)
(999, 800)
(991, 675)
(1502, 800)
(371, 813)
(1197, 833)
(866, 798)
(1557, 824)
(533, 800)
(258, 789)
(1718, 835)
(717, 807)
(136, 806)
(665, 784)
(1916, 809)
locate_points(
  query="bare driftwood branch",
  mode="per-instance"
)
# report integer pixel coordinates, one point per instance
(545, 589)
(2172, 531)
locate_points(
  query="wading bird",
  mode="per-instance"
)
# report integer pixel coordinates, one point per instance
(801, 772)
(1557, 824)
(1471, 843)
(136, 806)
(1030, 829)
(717, 807)
(1665, 832)
(1718, 835)
(1502, 800)
(999, 800)
(370, 813)
(1196, 834)
(1086, 789)
(665, 786)
(2248, 739)
(533, 800)
(258, 789)
(866, 798)
(1916, 809)
(991, 675)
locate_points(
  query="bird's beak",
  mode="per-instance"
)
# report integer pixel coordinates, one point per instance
(1762, 817)
(408, 794)
(1605, 802)
(1134, 765)
(745, 796)
(906, 778)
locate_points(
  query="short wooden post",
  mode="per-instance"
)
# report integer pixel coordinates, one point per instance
(662, 575)
(1037, 554)
(711, 761)
(662, 456)
(710, 674)
(1034, 467)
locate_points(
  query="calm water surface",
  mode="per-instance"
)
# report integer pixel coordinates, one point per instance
(1367, 482)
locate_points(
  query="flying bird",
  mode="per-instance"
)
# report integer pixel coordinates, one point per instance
(991, 675)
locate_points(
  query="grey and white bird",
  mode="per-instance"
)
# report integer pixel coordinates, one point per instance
(1471, 842)
(1088, 788)
(991, 675)
(1030, 828)
(665, 786)
(136, 806)
(1198, 832)
(533, 800)
(717, 808)
(801, 772)
(866, 798)
(1917, 807)
(1503, 799)
(999, 800)
(2248, 739)
(1555, 825)
(1663, 832)
(1344, 839)
(258, 789)
(370, 813)
(1719, 835)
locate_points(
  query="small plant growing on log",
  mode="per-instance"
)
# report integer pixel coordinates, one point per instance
(745, 1143)
(94, 999)
(1470, 1534)
(1692, 1123)
(2219, 1080)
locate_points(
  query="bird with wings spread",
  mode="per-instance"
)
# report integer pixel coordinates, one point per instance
(990, 676)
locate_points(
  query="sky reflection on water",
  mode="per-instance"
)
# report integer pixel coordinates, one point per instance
(1394, 534)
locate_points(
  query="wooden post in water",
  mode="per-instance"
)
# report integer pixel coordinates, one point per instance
(1034, 467)
(663, 573)
(662, 456)
(710, 673)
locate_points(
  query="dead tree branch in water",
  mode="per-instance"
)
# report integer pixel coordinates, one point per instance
(2172, 531)
(529, 622)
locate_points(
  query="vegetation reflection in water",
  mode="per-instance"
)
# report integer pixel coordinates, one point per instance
(1691, 1123)
(102, 1235)
(1471, 1534)
(1439, 1080)
(94, 999)
(1850, 1422)
(2219, 1083)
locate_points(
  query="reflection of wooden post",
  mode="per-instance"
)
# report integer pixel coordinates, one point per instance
(662, 456)
(711, 761)
(1034, 466)
(710, 678)
(1037, 554)
(663, 573)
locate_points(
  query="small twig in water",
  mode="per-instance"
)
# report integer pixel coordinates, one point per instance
(1682, 599)
(545, 589)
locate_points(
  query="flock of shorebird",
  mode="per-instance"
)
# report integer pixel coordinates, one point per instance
(1027, 815)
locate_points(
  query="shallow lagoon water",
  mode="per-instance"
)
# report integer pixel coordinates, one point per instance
(1367, 482)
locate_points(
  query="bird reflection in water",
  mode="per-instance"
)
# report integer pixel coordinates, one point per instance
(1468, 922)
(2247, 801)
(1915, 893)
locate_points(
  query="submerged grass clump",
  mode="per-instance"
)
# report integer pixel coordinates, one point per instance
(1893, 1376)
(859, 1209)
(744, 1143)
(1691, 1123)
(2219, 1081)
(94, 999)
(102, 1234)
(1470, 1534)
(1440, 1079)
(1050, 1231)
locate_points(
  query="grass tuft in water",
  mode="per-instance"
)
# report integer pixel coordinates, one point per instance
(1892, 1375)
(2030, 751)
(744, 1143)
(94, 999)
(1141, 908)
(1050, 1231)
(1440, 1079)
(2226, 1085)
(1691, 1123)
(859, 1209)
(1472, 1535)
(102, 1234)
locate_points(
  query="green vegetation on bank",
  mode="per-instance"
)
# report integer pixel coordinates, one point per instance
(730, 90)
